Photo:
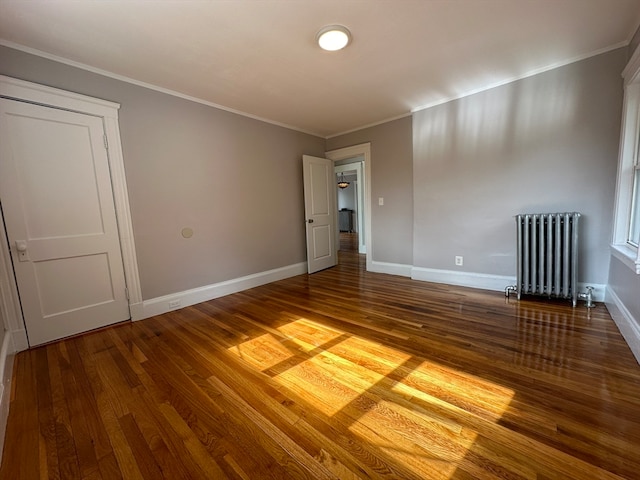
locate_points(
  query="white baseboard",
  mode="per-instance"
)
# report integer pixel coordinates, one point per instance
(487, 281)
(391, 268)
(18, 340)
(7, 356)
(175, 301)
(629, 327)
(136, 310)
(463, 279)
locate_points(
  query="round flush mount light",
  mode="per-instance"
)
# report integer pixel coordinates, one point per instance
(333, 37)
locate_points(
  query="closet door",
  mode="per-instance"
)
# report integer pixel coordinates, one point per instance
(58, 208)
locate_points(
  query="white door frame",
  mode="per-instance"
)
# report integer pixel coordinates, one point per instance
(361, 150)
(52, 97)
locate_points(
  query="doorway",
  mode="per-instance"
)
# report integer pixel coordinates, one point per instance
(348, 211)
(361, 155)
(351, 200)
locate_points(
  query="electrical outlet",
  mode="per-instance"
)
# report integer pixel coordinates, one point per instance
(380, 200)
(175, 303)
(459, 260)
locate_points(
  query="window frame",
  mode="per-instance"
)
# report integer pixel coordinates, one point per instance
(628, 162)
(634, 214)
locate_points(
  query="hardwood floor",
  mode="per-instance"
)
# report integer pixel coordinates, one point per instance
(343, 374)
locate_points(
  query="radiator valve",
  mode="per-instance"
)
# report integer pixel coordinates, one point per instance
(587, 297)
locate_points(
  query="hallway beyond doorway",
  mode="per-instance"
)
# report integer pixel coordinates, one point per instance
(349, 242)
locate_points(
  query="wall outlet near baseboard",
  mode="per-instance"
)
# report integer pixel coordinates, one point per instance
(175, 303)
(459, 260)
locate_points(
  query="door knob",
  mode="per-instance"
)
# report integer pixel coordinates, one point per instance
(311, 220)
(21, 247)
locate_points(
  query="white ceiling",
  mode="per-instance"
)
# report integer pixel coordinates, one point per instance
(259, 57)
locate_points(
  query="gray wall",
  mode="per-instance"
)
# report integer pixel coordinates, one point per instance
(347, 196)
(237, 182)
(546, 143)
(625, 306)
(391, 178)
(452, 176)
(626, 285)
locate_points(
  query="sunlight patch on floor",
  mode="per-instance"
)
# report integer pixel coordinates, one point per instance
(477, 394)
(432, 463)
(405, 436)
(314, 379)
(309, 332)
(312, 383)
(424, 438)
(262, 352)
(413, 410)
(431, 388)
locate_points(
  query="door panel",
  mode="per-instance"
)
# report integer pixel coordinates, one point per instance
(94, 287)
(320, 212)
(60, 218)
(321, 244)
(39, 163)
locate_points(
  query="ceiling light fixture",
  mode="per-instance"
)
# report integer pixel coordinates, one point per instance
(333, 37)
(343, 183)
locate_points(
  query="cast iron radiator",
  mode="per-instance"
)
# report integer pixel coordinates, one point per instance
(547, 255)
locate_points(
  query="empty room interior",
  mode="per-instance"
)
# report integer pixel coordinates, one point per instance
(232, 248)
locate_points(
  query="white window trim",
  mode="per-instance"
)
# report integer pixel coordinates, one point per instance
(629, 144)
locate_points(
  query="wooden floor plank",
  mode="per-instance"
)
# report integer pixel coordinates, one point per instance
(23, 425)
(68, 458)
(344, 374)
(48, 451)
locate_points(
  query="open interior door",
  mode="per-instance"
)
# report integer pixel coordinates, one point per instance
(320, 212)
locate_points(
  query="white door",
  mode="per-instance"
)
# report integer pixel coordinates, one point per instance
(320, 212)
(59, 216)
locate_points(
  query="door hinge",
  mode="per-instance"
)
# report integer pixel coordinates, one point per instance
(126, 293)
(106, 142)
